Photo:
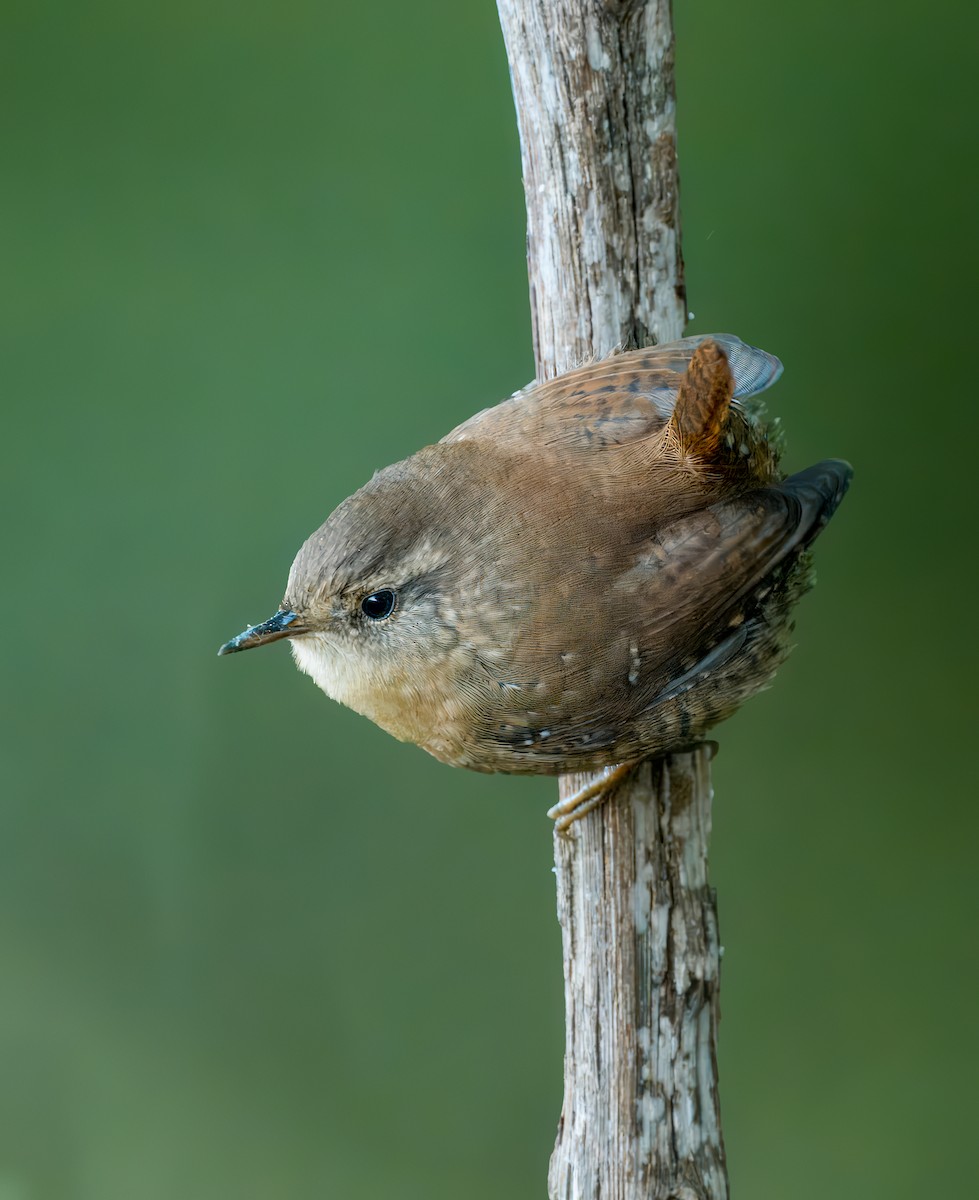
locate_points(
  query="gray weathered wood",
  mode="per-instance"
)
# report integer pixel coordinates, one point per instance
(594, 92)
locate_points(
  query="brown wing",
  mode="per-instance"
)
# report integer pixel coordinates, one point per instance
(719, 639)
(703, 570)
(622, 399)
(690, 610)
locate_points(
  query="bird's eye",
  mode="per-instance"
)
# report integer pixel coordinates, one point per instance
(379, 605)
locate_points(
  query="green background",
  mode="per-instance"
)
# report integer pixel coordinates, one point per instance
(249, 945)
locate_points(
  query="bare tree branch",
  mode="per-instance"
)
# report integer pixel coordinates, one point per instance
(594, 91)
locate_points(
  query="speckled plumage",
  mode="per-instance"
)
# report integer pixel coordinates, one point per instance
(595, 571)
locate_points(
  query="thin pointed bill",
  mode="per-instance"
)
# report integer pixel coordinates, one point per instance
(283, 624)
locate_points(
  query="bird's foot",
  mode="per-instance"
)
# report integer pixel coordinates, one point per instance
(570, 809)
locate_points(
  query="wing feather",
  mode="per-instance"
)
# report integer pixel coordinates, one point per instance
(707, 563)
(620, 399)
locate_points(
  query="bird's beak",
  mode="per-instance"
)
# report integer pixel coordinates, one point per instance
(283, 624)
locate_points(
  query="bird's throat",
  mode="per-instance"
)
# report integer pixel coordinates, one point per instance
(381, 696)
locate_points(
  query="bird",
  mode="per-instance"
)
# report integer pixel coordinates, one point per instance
(592, 573)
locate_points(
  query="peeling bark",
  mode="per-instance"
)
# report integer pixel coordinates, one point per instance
(594, 92)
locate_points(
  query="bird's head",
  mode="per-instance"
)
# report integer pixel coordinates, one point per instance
(372, 604)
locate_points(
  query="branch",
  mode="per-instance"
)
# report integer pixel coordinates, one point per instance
(594, 92)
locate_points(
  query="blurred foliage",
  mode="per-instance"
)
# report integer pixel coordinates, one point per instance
(252, 947)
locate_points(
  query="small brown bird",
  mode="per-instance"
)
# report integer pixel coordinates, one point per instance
(593, 572)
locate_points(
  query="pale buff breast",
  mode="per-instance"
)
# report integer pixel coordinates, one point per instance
(411, 703)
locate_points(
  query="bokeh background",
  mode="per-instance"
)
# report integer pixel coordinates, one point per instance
(249, 945)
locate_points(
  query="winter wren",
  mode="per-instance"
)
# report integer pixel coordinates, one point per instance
(593, 572)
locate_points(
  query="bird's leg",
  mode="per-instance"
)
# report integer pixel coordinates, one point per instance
(567, 811)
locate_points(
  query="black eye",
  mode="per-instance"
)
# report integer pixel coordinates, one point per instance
(379, 605)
